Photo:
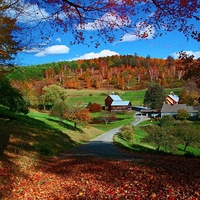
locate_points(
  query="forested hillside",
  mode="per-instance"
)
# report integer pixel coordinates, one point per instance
(129, 72)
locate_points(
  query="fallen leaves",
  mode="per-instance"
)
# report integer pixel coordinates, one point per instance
(152, 177)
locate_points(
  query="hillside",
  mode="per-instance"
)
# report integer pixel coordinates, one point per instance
(129, 72)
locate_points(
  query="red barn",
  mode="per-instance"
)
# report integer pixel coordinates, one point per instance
(115, 103)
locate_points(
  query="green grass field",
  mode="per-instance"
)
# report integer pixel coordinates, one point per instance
(98, 96)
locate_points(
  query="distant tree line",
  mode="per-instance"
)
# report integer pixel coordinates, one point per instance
(128, 72)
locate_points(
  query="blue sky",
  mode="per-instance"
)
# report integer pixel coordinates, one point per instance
(59, 48)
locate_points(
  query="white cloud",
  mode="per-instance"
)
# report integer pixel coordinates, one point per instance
(142, 31)
(196, 54)
(27, 13)
(53, 50)
(33, 50)
(58, 39)
(92, 55)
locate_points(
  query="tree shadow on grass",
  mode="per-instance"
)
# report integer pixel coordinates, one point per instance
(66, 125)
(22, 137)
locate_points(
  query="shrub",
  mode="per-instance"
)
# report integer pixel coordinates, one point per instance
(167, 121)
(127, 132)
(103, 94)
(182, 114)
(95, 107)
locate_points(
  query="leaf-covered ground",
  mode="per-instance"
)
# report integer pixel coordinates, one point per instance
(151, 177)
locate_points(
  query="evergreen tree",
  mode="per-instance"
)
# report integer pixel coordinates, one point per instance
(11, 97)
(154, 96)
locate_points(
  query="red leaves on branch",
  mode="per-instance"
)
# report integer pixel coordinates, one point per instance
(151, 177)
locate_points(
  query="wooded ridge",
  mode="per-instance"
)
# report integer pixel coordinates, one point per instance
(129, 72)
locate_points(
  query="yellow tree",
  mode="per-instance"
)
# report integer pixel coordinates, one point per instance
(88, 82)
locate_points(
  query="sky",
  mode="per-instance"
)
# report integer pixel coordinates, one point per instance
(59, 48)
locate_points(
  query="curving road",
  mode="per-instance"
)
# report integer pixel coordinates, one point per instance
(103, 146)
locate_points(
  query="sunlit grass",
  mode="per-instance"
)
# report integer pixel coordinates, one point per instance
(121, 119)
(137, 145)
(98, 96)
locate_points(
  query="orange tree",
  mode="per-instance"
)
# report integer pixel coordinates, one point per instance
(9, 44)
(77, 115)
(191, 67)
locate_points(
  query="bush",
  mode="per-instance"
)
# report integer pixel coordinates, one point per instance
(95, 107)
(167, 121)
(103, 94)
(182, 114)
(127, 132)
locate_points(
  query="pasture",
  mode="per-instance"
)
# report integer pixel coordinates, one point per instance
(98, 96)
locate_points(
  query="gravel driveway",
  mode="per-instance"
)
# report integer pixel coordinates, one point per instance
(103, 146)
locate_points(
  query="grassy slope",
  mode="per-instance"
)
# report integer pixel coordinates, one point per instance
(38, 132)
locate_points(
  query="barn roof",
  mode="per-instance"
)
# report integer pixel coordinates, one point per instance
(174, 97)
(115, 97)
(120, 103)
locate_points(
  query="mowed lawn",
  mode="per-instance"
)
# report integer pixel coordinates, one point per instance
(99, 96)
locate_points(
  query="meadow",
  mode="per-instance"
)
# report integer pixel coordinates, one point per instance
(98, 96)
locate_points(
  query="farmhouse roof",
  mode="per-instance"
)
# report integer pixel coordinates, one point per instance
(192, 109)
(166, 108)
(115, 97)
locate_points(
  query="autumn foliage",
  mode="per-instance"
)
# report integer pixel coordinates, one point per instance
(145, 177)
(77, 115)
(130, 72)
(95, 107)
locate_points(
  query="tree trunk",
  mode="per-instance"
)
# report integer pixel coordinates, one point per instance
(185, 147)
(75, 125)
